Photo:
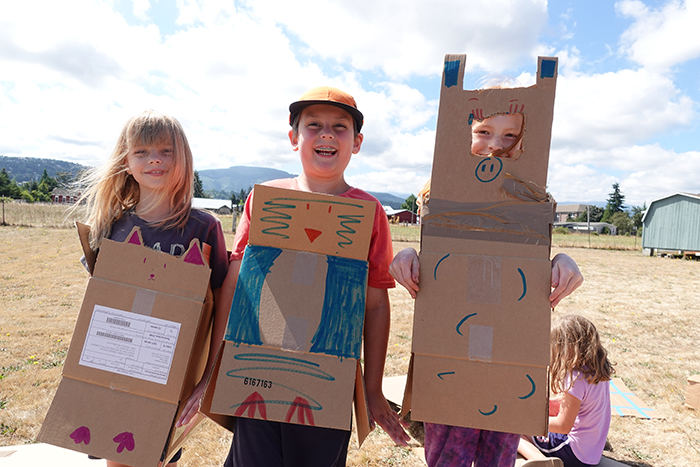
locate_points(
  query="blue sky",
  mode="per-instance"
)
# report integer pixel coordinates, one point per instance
(626, 109)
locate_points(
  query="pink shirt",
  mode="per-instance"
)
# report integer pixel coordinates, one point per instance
(593, 420)
(380, 248)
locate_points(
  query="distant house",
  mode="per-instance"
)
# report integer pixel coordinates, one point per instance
(403, 216)
(219, 206)
(672, 223)
(567, 212)
(582, 227)
(64, 196)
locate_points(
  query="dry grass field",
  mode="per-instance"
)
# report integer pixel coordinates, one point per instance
(647, 310)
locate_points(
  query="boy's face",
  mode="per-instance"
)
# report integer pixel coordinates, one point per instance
(498, 133)
(326, 141)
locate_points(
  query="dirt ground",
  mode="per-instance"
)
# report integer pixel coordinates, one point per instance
(646, 309)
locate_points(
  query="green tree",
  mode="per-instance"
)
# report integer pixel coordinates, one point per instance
(8, 186)
(615, 203)
(198, 187)
(410, 203)
(622, 221)
(596, 215)
(637, 214)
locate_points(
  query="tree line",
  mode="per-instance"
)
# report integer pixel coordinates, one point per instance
(33, 190)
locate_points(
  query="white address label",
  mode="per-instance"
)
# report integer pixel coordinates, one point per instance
(130, 344)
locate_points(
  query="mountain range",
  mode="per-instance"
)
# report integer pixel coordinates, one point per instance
(221, 182)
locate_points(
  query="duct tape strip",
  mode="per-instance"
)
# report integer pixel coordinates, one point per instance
(480, 342)
(143, 302)
(304, 268)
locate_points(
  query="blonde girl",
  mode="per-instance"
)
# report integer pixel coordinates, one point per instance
(579, 416)
(148, 182)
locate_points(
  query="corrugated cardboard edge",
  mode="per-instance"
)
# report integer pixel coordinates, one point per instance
(225, 421)
(408, 391)
(362, 415)
(692, 392)
(84, 236)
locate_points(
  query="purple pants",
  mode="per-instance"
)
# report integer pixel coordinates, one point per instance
(454, 446)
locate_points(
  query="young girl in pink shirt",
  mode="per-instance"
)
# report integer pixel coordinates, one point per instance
(579, 416)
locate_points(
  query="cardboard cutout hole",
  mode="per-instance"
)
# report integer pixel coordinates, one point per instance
(500, 135)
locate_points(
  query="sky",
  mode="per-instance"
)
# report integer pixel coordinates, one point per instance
(626, 108)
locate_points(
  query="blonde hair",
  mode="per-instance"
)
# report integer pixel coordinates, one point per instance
(576, 346)
(111, 191)
(423, 196)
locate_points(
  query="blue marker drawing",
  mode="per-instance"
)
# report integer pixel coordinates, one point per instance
(451, 73)
(340, 331)
(281, 363)
(440, 375)
(438, 264)
(531, 392)
(489, 169)
(495, 407)
(522, 276)
(244, 318)
(347, 229)
(462, 322)
(279, 218)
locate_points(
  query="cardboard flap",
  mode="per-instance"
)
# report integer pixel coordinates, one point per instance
(224, 421)
(313, 222)
(408, 392)
(84, 236)
(146, 268)
(362, 415)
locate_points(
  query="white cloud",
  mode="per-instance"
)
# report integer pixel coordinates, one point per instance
(663, 37)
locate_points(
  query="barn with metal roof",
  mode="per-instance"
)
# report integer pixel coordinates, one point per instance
(672, 223)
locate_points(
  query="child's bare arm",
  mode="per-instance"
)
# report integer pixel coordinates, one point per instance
(566, 278)
(376, 336)
(222, 299)
(405, 269)
(568, 410)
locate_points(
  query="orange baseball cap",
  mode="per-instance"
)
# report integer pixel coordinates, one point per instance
(327, 95)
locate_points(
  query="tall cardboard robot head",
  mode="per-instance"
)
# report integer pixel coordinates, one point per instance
(488, 136)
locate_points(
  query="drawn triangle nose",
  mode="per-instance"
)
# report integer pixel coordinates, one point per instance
(312, 234)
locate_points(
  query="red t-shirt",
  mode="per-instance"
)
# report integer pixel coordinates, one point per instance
(380, 248)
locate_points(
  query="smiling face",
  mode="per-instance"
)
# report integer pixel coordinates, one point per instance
(326, 141)
(151, 165)
(498, 136)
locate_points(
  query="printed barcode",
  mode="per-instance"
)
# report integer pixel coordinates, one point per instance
(119, 322)
(114, 336)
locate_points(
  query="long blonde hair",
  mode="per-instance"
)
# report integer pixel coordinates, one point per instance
(111, 191)
(576, 346)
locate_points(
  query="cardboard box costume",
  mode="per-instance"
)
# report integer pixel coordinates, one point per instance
(138, 349)
(482, 317)
(292, 346)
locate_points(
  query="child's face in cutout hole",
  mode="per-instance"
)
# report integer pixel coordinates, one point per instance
(498, 136)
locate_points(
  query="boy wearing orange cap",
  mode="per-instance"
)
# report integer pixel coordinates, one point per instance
(325, 131)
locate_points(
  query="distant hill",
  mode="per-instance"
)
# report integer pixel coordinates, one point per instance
(25, 169)
(221, 182)
(237, 178)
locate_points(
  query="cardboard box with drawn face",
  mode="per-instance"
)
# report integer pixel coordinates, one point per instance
(482, 317)
(294, 333)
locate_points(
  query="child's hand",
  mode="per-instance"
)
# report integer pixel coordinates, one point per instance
(566, 278)
(381, 413)
(192, 405)
(405, 269)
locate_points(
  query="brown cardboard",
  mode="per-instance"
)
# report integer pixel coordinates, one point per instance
(292, 345)
(138, 349)
(692, 392)
(482, 317)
